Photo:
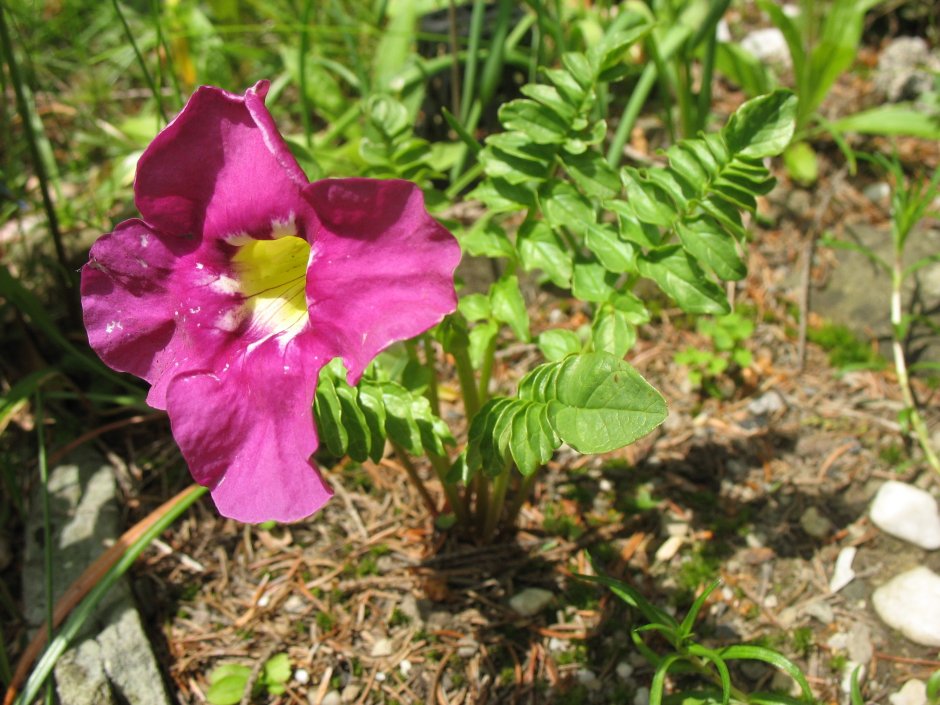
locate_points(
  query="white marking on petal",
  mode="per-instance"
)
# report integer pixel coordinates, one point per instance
(109, 329)
(195, 310)
(283, 228)
(231, 319)
(238, 239)
(226, 285)
(141, 262)
(200, 265)
(144, 240)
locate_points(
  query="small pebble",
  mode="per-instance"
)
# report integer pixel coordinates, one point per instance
(405, 667)
(815, 524)
(350, 693)
(381, 647)
(302, 676)
(332, 698)
(669, 549)
(380, 676)
(588, 678)
(767, 404)
(914, 692)
(642, 696)
(768, 45)
(910, 603)
(843, 574)
(531, 601)
(624, 670)
(908, 513)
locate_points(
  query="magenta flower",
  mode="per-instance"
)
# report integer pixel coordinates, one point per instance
(241, 280)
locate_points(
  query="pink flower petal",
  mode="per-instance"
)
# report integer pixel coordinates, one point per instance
(382, 270)
(151, 308)
(220, 168)
(247, 433)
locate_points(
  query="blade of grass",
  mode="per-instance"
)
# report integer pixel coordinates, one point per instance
(46, 520)
(26, 117)
(140, 60)
(472, 61)
(92, 585)
(302, 73)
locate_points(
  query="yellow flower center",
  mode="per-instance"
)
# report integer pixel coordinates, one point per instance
(273, 275)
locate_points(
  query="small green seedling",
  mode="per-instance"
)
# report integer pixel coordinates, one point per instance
(227, 682)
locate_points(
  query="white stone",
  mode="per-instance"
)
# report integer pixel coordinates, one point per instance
(405, 667)
(815, 523)
(381, 647)
(908, 513)
(914, 692)
(669, 549)
(843, 574)
(531, 601)
(624, 670)
(332, 698)
(642, 696)
(767, 44)
(588, 678)
(910, 603)
(302, 676)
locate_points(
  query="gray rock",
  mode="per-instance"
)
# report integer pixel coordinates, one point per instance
(531, 601)
(910, 603)
(907, 512)
(914, 692)
(767, 404)
(855, 293)
(767, 44)
(905, 69)
(815, 524)
(382, 647)
(111, 660)
(332, 698)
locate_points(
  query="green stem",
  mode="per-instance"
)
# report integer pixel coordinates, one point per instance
(468, 387)
(140, 60)
(302, 72)
(522, 493)
(900, 363)
(415, 478)
(495, 509)
(430, 360)
(46, 513)
(630, 114)
(38, 164)
(486, 371)
(481, 485)
(472, 61)
(705, 92)
(442, 468)
(161, 41)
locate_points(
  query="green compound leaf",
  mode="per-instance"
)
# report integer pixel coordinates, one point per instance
(558, 343)
(680, 277)
(592, 173)
(592, 282)
(508, 306)
(541, 248)
(612, 332)
(564, 207)
(704, 239)
(538, 122)
(615, 254)
(763, 126)
(355, 421)
(595, 402)
(601, 403)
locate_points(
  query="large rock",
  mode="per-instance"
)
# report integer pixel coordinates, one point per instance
(907, 512)
(110, 662)
(910, 603)
(857, 293)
